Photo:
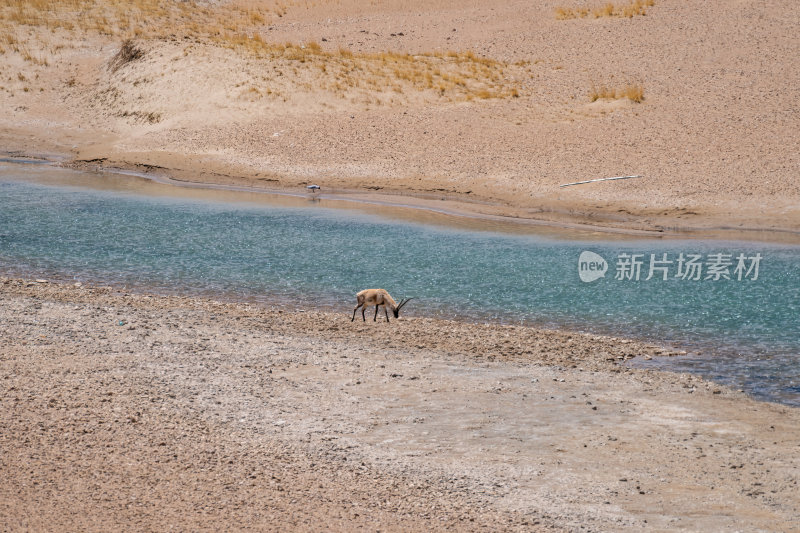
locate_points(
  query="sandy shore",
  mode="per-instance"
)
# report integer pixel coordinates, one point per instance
(149, 412)
(484, 107)
(146, 412)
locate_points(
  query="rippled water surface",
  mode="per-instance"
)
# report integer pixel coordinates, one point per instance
(127, 231)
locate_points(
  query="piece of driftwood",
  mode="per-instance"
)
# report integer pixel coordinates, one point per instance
(601, 179)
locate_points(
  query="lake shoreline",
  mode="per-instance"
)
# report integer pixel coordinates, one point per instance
(702, 348)
(143, 411)
(180, 172)
(419, 423)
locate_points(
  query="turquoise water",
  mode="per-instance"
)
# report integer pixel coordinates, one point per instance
(120, 231)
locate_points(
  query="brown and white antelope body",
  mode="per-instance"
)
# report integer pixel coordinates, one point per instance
(378, 297)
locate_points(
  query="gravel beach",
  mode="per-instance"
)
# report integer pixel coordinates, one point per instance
(148, 412)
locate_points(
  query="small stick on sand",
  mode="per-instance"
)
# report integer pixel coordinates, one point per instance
(600, 179)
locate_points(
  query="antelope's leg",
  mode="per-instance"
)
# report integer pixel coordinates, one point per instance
(362, 313)
(354, 312)
(386, 313)
(375, 318)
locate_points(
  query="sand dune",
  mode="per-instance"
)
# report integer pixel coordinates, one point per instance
(488, 104)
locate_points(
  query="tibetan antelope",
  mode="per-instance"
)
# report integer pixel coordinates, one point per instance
(377, 297)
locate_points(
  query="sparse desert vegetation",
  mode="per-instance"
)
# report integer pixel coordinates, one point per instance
(239, 25)
(632, 91)
(631, 9)
(480, 99)
(139, 18)
(457, 75)
(127, 52)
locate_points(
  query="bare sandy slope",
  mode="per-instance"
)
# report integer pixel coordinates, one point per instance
(151, 413)
(716, 136)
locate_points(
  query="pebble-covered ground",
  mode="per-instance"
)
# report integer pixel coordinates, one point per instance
(145, 412)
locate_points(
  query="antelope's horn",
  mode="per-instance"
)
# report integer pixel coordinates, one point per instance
(404, 302)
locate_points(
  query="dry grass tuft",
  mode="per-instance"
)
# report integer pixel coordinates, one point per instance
(141, 117)
(451, 75)
(633, 92)
(633, 8)
(127, 52)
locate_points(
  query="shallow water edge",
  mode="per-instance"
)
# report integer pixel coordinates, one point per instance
(430, 209)
(136, 234)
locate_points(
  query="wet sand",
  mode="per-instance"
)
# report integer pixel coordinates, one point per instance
(440, 210)
(144, 412)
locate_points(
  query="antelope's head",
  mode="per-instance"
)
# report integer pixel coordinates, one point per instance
(396, 310)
